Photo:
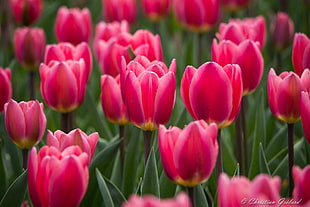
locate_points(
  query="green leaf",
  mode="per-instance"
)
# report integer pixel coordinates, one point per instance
(106, 196)
(117, 196)
(263, 164)
(167, 188)
(16, 193)
(150, 183)
(200, 197)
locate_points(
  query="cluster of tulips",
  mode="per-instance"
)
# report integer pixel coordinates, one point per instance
(139, 88)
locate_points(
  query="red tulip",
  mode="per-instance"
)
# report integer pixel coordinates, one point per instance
(281, 30)
(234, 5)
(63, 84)
(25, 122)
(111, 100)
(66, 51)
(239, 191)
(301, 53)
(118, 10)
(238, 30)
(5, 87)
(284, 94)
(301, 191)
(198, 15)
(29, 45)
(73, 25)
(181, 200)
(188, 156)
(155, 10)
(26, 12)
(145, 87)
(219, 100)
(57, 178)
(62, 140)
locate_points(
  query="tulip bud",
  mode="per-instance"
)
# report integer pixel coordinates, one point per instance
(301, 179)
(5, 87)
(118, 10)
(181, 163)
(29, 45)
(155, 10)
(25, 122)
(26, 12)
(301, 53)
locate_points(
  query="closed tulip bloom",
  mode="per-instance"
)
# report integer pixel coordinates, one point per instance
(181, 163)
(111, 100)
(25, 122)
(234, 5)
(212, 93)
(66, 51)
(239, 191)
(301, 53)
(155, 10)
(198, 15)
(305, 114)
(148, 91)
(301, 179)
(281, 30)
(57, 178)
(5, 87)
(29, 46)
(238, 30)
(284, 94)
(26, 12)
(62, 140)
(118, 10)
(63, 84)
(73, 25)
(181, 200)
(224, 52)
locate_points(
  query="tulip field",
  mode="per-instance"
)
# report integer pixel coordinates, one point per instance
(154, 103)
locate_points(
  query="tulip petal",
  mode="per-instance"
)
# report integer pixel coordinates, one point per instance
(32, 176)
(305, 114)
(299, 45)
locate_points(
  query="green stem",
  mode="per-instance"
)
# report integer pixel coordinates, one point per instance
(25, 158)
(239, 138)
(279, 62)
(244, 134)
(123, 146)
(32, 85)
(191, 195)
(219, 161)
(290, 136)
(147, 144)
(67, 122)
(199, 49)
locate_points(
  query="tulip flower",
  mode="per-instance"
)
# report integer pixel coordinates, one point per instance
(118, 10)
(301, 191)
(234, 5)
(181, 163)
(145, 87)
(219, 100)
(73, 25)
(5, 87)
(26, 12)
(301, 53)
(57, 178)
(111, 100)
(181, 200)
(239, 191)
(197, 16)
(66, 51)
(63, 84)
(224, 52)
(281, 30)
(305, 113)
(62, 140)
(29, 45)
(155, 10)
(238, 30)
(25, 122)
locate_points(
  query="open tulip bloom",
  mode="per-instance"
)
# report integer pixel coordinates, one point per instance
(5, 87)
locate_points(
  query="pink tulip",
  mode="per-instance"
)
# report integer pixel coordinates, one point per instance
(239, 191)
(281, 30)
(219, 100)
(284, 95)
(29, 45)
(181, 200)
(73, 25)
(5, 87)
(25, 122)
(26, 12)
(111, 100)
(148, 91)
(62, 140)
(63, 84)
(146, 44)
(155, 10)
(57, 178)
(234, 5)
(118, 10)
(238, 30)
(188, 156)
(224, 52)
(66, 51)
(302, 191)
(305, 113)
(301, 53)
